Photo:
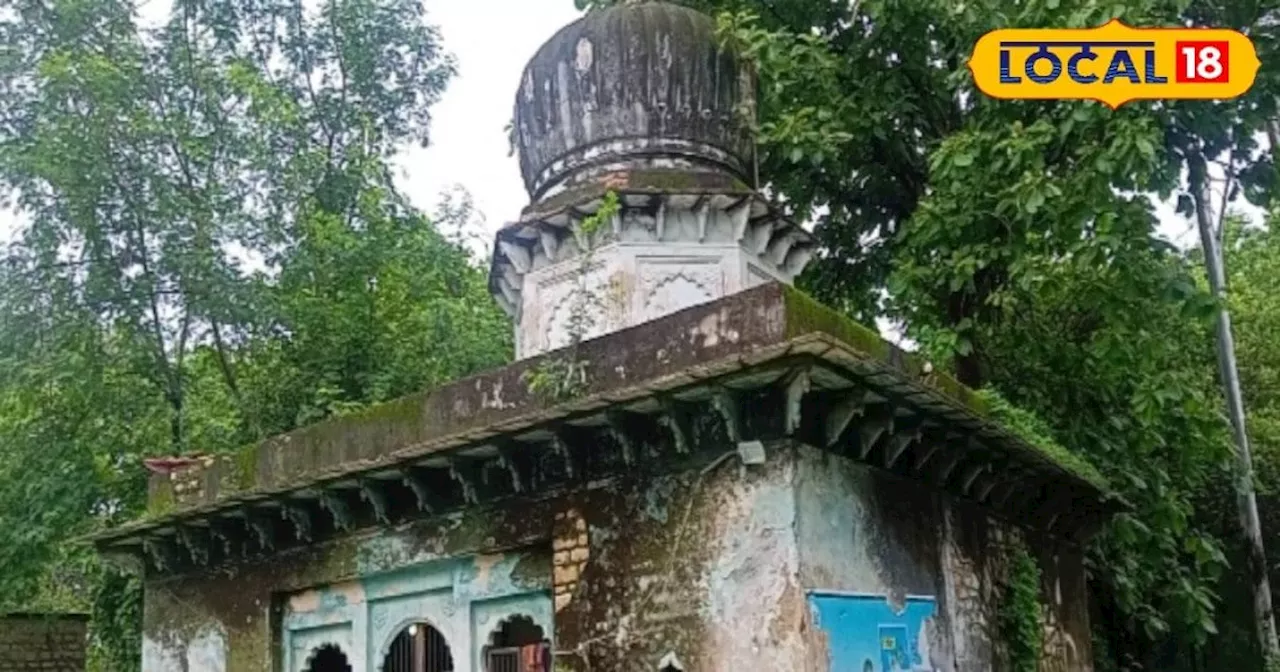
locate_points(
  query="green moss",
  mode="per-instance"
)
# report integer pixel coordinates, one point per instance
(683, 182)
(961, 393)
(654, 181)
(1037, 434)
(161, 500)
(404, 409)
(805, 316)
(246, 466)
(399, 415)
(474, 527)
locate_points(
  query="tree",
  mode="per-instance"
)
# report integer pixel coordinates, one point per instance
(213, 252)
(1254, 282)
(1015, 241)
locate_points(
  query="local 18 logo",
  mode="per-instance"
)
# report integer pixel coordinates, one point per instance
(1114, 64)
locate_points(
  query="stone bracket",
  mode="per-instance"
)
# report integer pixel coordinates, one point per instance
(922, 460)
(299, 517)
(618, 424)
(970, 476)
(162, 553)
(508, 458)
(726, 404)
(842, 414)
(196, 543)
(467, 473)
(221, 532)
(1006, 491)
(337, 508)
(799, 383)
(879, 424)
(949, 464)
(550, 239)
(985, 489)
(701, 211)
(898, 444)
(564, 450)
(1053, 509)
(262, 529)
(416, 480)
(675, 418)
(373, 493)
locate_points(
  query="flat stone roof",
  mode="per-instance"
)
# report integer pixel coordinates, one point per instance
(828, 372)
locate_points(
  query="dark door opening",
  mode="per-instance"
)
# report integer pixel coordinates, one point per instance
(519, 645)
(419, 648)
(328, 658)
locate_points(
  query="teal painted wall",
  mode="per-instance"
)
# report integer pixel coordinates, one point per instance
(465, 599)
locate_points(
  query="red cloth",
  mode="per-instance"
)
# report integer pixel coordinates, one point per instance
(531, 658)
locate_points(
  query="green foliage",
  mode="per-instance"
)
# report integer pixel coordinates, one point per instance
(212, 251)
(375, 304)
(562, 375)
(1020, 612)
(1017, 240)
(556, 378)
(1253, 268)
(1036, 432)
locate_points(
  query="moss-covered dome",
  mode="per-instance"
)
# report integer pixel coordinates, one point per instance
(638, 85)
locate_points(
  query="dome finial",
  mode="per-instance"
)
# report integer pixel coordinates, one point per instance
(636, 117)
(639, 85)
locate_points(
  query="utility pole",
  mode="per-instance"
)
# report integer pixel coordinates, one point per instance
(1246, 500)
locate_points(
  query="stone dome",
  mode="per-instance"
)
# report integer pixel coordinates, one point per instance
(635, 86)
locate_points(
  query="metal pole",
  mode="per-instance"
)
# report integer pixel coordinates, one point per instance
(1246, 500)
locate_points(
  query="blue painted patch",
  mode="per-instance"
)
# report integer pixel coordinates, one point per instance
(866, 634)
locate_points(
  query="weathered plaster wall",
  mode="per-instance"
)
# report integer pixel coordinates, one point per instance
(233, 619)
(465, 599)
(699, 567)
(877, 550)
(801, 562)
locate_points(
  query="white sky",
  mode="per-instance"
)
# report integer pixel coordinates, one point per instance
(492, 40)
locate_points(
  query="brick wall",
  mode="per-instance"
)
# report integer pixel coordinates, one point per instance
(572, 550)
(42, 643)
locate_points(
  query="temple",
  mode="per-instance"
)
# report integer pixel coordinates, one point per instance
(691, 465)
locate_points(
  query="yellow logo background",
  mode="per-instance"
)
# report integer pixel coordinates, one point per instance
(1162, 43)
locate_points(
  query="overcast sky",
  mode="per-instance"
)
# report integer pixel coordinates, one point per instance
(492, 40)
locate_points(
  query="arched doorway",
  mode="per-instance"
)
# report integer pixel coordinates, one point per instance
(419, 648)
(518, 645)
(328, 658)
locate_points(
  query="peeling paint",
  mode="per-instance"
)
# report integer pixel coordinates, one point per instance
(714, 568)
(205, 651)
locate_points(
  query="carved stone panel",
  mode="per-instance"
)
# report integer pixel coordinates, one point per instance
(670, 285)
(570, 304)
